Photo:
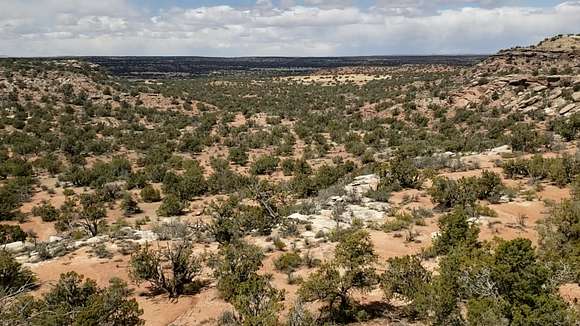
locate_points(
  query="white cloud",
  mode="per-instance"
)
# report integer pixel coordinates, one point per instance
(114, 27)
(329, 3)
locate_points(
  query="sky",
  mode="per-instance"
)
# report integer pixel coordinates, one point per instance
(278, 27)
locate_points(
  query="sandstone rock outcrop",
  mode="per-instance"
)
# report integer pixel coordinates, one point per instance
(543, 77)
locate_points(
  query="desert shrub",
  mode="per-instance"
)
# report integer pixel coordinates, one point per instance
(404, 277)
(300, 315)
(171, 206)
(368, 157)
(381, 194)
(257, 302)
(68, 214)
(465, 191)
(15, 167)
(489, 186)
(11, 233)
(289, 228)
(50, 163)
(74, 302)
(455, 230)
(228, 318)
(449, 193)
(485, 211)
(352, 268)
(137, 180)
(560, 170)
(224, 180)
(225, 226)
(303, 186)
(327, 175)
(172, 269)
(301, 166)
(109, 193)
(101, 251)
(265, 164)
(421, 213)
(13, 277)
(235, 264)
(155, 173)
(232, 219)
(191, 184)
(288, 166)
(505, 285)
(288, 263)
(101, 173)
(309, 260)
(523, 283)
(575, 191)
(526, 138)
(400, 173)
(567, 127)
(12, 194)
(400, 222)
(46, 211)
(193, 142)
(68, 192)
(356, 148)
(515, 168)
(279, 244)
(172, 230)
(560, 236)
(150, 194)
(129, 205)
(238, 155)
(92, 213)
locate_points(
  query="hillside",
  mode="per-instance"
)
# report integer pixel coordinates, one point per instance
(541, 78)
(408, 194)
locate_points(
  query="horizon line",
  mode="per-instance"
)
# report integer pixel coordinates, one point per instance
(243, 57)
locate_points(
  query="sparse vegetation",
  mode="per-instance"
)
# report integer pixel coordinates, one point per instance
(150, 265)
(244, 177)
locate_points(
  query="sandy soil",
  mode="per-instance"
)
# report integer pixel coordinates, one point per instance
(205, 307)
(158, 310)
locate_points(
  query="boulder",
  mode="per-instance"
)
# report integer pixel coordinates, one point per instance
(539, 88)
(362, 213)
(34, 258)
(555, 94)
(362, 184)
(169, 220)
(550, 111)
(518, 81)
(530, 109)
(24, 259)
(97, 239)
(308, 235)
(54, 238)
(501, 149)
(17, 247)
(298, 217)
(553, 78)
(146, 235)
(567, 108)
(529, 101)
(378, 206)
(559, 102)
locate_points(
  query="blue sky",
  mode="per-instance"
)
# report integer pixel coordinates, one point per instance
(278, 27)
